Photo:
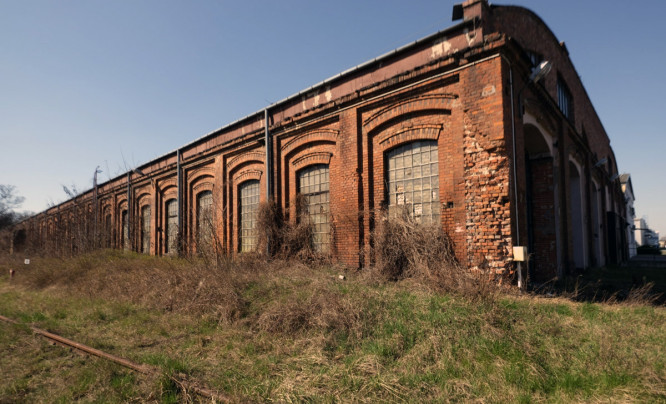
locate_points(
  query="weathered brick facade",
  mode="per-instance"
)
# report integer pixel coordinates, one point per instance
(467, 90)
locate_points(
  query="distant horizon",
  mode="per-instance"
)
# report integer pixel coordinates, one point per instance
(119, 84)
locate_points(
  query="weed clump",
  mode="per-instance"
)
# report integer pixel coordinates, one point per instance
(407, 249)
(280, 238)
(319, 309)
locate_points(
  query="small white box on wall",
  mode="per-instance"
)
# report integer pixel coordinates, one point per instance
(520, 253)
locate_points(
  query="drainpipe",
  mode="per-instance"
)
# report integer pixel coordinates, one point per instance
(269, 177)
(269, 156)
(513, 141)
(129, 210)
(179, 203)
(96, 207)
(519, 268)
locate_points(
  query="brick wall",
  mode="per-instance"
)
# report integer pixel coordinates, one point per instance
(452, 88)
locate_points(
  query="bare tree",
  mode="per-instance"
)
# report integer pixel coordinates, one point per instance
(9, 201)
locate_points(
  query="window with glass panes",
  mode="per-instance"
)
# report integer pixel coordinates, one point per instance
(107, 230)
(564, 99)
(204, 217)
(413, 181)
(125, 233)
(313, 184)
(145, 229)
(171, 240)
(248, 207)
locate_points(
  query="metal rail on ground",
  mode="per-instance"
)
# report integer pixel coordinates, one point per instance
(144, 369)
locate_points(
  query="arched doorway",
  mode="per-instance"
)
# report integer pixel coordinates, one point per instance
(597, 233)
(540, 204)
(577, 216)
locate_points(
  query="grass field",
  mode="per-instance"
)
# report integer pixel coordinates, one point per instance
(287, 332)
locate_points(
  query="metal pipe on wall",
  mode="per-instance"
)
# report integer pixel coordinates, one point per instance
(519, 269)
(179, 203)
(129, 211)
(269, 163)
(269, 177)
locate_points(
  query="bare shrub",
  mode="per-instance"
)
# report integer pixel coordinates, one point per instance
(406, 249)
(270, 222)
(286, 239)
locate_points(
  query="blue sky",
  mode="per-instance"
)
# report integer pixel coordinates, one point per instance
(117, 83)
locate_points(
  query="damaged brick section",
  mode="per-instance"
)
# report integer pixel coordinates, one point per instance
(488, 222)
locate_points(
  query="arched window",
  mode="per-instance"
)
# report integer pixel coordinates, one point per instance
(106, 226)
(313, 184)
(413, 181)
(107, 230)
(145, 229)
(125, 233)
(248, 206)
(171, 237)
(204, 218)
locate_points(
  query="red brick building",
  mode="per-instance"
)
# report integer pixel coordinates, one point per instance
(451, 127)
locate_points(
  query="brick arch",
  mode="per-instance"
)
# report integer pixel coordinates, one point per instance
(322, 157)
(203, 171)
(168, 189)
(245, 157)
(246, 175)
(537, 143)
(533, 127)
(121, 205)
(242, 166)
(163, 185)
(248, 166)
(424, 102)
(390, 139)
(534, 114)
(313, 136)
(240, 178)
(202, 182)
(416, 119)
(106, 204)
(307, 152)
(144, 198)
(106, 208)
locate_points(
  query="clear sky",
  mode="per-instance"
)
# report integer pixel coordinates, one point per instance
(117, 83)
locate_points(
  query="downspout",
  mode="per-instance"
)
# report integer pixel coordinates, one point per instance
(96, 209)
(269, 177)
(129, 210)
(515, 174)
(179, 203)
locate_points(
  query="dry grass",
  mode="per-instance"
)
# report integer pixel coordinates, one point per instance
(405, 249)
(168, 285)
(285, 331)
(193, 287)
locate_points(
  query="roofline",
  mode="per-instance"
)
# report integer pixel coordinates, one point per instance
(571, 63)
(322, 83)
(290, 98)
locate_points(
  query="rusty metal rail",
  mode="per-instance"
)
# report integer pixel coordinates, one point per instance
(188, 385)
